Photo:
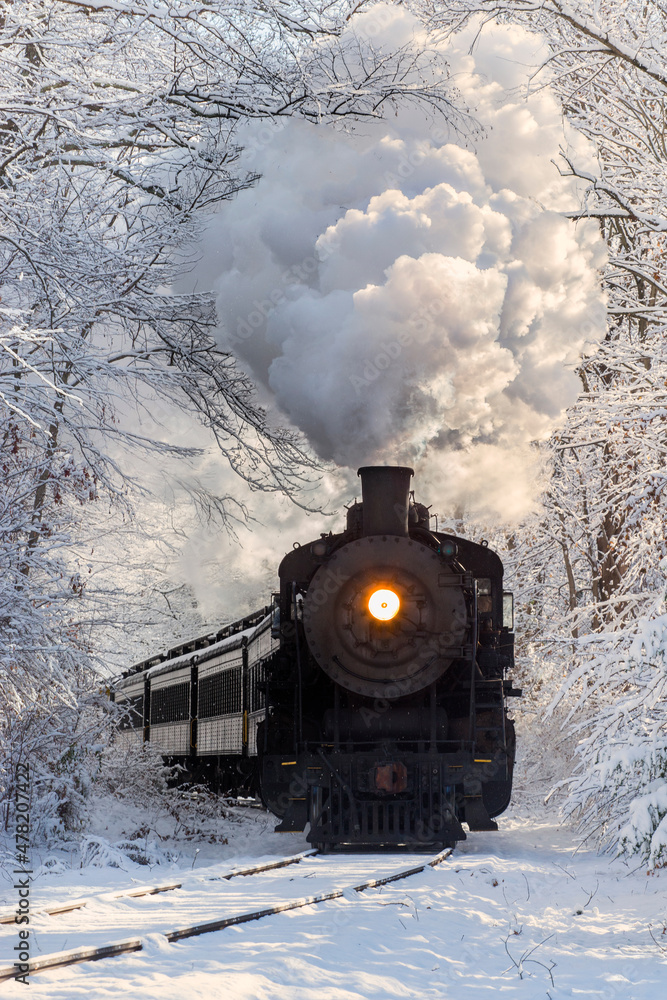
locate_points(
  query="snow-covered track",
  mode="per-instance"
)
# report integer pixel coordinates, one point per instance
(78, 904)
(93, 954)
(153, 890)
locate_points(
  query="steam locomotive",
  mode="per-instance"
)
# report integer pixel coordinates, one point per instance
(369, 701)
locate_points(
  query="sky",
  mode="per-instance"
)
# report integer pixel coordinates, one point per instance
(402, 294)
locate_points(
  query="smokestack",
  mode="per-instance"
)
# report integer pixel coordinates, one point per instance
(385, 496)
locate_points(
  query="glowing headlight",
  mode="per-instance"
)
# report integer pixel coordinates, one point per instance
(384, 605)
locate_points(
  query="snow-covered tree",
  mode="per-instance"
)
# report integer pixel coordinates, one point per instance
(596, 549)
(117, 138)
(618, 788)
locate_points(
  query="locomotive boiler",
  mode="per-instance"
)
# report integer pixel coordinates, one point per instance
(368, 705)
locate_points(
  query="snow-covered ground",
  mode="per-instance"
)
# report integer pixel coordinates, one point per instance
(524, 912)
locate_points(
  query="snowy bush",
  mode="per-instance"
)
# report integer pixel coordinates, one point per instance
(74, 760)
(61, 740)
(132, 771)
(97, 852)
(153, 799)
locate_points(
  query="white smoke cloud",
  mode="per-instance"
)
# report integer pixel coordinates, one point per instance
(408, 300)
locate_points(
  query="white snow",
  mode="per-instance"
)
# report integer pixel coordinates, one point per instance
(527, 912)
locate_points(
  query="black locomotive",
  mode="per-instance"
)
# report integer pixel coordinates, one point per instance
(369, 702)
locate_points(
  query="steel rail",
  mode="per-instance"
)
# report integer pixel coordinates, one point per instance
(78, 904)
(93, 954)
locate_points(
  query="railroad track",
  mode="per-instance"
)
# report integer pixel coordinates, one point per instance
(94, 953)
(153, 890)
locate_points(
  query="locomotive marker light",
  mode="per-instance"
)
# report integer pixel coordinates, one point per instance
(384, 605)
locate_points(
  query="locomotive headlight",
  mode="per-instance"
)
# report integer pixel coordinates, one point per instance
(384, 605)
